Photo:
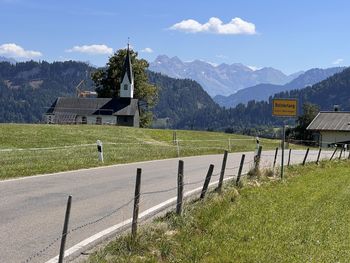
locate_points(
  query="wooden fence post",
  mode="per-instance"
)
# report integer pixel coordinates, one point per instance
(306, 154)
(177, 148)
(318, 156)
(290, 153)
(257, 158)
(341, 152)
(180, 187)
(65, 230)
(207, 181)
(222, 173)
(240, 169)
(336, 148)
(274, 161)
(135, 215)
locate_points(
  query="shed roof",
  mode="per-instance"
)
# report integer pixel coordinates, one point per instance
(331, 121)
(94, 106)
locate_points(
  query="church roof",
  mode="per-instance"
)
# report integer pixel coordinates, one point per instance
(127, 68)
(94, 106)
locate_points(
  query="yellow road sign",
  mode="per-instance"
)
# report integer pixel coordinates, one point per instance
(285, 107)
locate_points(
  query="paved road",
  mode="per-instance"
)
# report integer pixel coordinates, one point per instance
(32, 209)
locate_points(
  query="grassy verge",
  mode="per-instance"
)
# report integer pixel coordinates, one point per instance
(305, 218)
(121, 145)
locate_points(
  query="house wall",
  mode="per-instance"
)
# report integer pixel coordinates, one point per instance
(105, 119)
(125, 121)
(329, 137)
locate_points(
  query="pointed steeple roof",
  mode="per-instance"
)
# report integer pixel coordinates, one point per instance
(127, 68)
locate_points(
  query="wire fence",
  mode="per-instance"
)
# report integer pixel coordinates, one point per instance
(248, 164)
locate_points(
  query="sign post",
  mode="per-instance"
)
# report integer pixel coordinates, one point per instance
(284, 108)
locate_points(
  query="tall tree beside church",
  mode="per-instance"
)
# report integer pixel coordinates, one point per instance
(108, 79)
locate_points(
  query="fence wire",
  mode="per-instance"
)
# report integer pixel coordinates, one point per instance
(147, 193)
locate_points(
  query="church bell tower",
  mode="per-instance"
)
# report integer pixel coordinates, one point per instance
(127, 81)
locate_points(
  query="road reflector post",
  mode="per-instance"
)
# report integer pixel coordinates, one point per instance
(207, 181)
(318, 156)
(306, 154)
(240, 169)
(180, 187)
(65, 230)
(222, 172)
(100, 150)
(289, 155)
(135, 215)
(335, 150)
(274, 160)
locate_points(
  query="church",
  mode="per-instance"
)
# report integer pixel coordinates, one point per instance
(123, 111)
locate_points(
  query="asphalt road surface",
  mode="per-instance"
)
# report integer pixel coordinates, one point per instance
(32, 209)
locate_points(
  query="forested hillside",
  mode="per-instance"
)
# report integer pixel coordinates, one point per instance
(27, 89)
(180, 100)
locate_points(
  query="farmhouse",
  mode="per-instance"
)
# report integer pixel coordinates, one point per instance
(332, 127)
(122, 111)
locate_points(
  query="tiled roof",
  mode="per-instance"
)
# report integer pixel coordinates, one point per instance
(331, 121)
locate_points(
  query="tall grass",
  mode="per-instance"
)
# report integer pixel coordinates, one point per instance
(302, 219)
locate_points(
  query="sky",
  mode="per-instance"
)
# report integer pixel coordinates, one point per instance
(287, 35)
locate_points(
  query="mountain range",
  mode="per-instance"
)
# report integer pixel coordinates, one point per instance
(223, 79)
(264, 91)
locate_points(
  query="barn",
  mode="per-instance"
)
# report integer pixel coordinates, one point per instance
(331, 127)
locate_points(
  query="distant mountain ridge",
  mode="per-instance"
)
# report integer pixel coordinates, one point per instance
(264, 91)
(222, 79)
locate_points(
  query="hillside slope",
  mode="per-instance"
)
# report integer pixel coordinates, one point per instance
(27, 89)
(264, 91)
(179, 99)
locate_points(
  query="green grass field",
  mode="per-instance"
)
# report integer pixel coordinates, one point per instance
(304, 218)
(121, 145)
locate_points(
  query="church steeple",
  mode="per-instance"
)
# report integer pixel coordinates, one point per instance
(127, 81)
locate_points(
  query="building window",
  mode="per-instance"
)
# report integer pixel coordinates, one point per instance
(125, 86)
(98, 120)
(125, 119)
(84, 120)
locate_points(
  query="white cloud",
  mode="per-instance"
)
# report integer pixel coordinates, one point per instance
(236, 26)
(16, 51)
(92, 49)
(147, 50)
(338, 61)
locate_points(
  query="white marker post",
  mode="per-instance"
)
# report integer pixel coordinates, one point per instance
(100, 150)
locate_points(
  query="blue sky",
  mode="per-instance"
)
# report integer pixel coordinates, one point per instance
(287, 35)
